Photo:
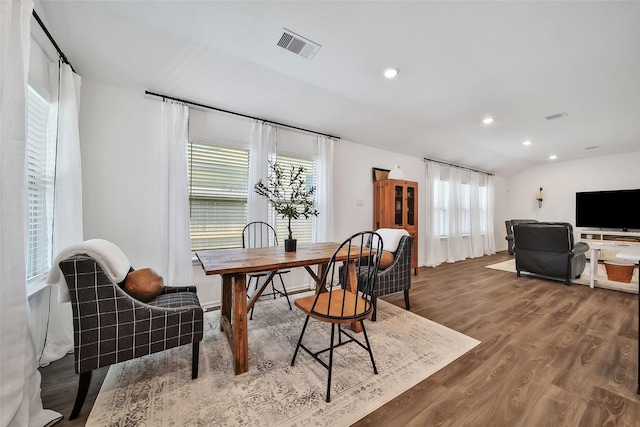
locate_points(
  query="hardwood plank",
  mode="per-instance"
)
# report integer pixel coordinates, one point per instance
(550, 355)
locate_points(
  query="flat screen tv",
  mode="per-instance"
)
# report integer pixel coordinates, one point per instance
(608, 209)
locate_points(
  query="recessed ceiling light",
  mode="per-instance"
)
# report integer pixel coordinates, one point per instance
(391, 72)
(488, 120)
(553, 157)
(526, 143)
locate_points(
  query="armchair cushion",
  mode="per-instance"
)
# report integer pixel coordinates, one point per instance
(386, 259)
(144, 284)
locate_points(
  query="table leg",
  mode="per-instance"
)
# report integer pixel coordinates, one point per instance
(638, 391)
(257, 295)
(233, 319)
(227, 302)
(322, 269)
(593, 264)
(240, 328)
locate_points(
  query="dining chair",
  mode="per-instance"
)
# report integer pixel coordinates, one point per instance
(339, 302)
(259, 234)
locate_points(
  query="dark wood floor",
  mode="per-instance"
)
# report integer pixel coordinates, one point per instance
(551, 355)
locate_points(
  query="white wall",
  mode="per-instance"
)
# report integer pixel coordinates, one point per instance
(560, 181)
(501, 203)
(119, 133)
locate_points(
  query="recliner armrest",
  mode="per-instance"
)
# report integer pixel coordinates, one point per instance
(580, 248)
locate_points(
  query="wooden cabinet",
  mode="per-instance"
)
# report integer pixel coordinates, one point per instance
(395, 205)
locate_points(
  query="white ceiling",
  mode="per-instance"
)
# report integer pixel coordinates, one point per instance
(459, 62)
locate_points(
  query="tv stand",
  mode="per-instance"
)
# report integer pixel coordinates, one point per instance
(603, 236)
(604, 246)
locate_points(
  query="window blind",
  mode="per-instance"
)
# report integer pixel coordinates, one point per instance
(40, 158)
(218, 181)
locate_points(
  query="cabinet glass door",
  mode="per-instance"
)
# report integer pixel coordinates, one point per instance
(398, 202)
(411, 220)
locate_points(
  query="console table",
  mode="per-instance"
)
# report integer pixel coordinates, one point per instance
(632, 253)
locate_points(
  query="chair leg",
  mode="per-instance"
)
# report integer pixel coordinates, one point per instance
(333, 330)
(286, 294)
(83, 388)
(295, 353)
(406, 299)
(195, 357)
(374, 302)
(366, 339)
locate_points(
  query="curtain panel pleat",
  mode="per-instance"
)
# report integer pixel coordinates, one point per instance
(20, 400)
(459, 214)
(262, 150)
(175, 229)
(323, 230)
(67, 227)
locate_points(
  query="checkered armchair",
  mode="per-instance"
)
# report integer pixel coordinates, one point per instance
(397, 276)
(110, 326)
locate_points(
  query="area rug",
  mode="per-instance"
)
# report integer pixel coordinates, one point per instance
(602, 281)
(157, 390)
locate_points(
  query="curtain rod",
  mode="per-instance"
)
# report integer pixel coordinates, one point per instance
(53, 42)
(184, 101)
(458, 166)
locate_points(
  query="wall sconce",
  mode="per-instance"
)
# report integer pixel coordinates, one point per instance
(539, 198)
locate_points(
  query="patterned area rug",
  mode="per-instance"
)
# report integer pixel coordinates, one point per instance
(157, 390)
(601, 282)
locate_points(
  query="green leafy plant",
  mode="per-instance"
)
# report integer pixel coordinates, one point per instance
(288, 193)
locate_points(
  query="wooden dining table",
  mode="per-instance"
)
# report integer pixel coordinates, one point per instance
(234, 264)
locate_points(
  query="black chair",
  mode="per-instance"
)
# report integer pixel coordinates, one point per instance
(110, 326)
(547, 249)
(259, 234)
(339, 302)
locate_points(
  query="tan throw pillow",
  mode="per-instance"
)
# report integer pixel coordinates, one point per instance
(143, 284)
(386, 259)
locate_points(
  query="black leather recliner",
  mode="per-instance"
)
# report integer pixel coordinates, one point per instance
(509, 226)
(548, 249)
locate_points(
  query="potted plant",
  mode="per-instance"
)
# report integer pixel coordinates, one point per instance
(288, 193)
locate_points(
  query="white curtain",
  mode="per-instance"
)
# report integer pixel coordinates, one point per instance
(459, 214)
(67, 204)
(323, 230)
(20, 400)
(175, 228)
(262, 150)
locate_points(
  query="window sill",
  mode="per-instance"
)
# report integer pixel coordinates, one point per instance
(36, 285)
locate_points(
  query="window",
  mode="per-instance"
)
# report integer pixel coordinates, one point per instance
(301, 228)
(443, 205)
(218, 186)
(40, 153)
(218, 178)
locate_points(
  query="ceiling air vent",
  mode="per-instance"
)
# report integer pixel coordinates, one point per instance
(298, 44)
(555, 116)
